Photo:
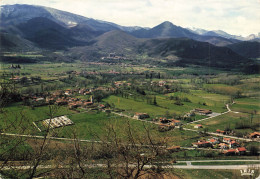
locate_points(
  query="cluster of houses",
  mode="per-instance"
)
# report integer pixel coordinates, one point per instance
(167, 124)
(158, 83)
(202, 111)
(15, 79)
(228, 146)
(221, 131)
(198, 111)
(254, 135)
(121, 83)
(64, 97)
(141, 116)
(74, 103)
(15, 66)
(198, 126)
(114, 56)
(60, 97)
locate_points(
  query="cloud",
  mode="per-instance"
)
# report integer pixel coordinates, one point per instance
(234, 16)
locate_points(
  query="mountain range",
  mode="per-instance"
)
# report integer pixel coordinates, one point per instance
(29, 28)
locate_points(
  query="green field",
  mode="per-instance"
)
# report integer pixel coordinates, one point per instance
(17, 118)
(164, 104)
(231, 120)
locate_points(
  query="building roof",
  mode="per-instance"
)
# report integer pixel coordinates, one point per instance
(241, 149)
(223, 144)
(138, 114)
(255, 133)
(212, 140)
(173, 147)
(233, 142)
(226, 138)
(230, 151)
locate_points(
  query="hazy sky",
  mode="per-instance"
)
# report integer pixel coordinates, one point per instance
(239, 17)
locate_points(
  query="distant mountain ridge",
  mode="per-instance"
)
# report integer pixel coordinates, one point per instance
(221, 33)
(180, 51)
(18, 13)
(169, 30)
(27, 27)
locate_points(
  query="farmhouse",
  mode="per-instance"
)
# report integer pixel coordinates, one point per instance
(73, 105)
(238, 151)
(173, 148)
(101, 106)
(141, 116)
(68, 92)
(241, 150)
(61, 101)
(118, 83)
(233, 144)
(202, 144)
(213, 141)
(203, 111)
(15, 78)
(255, 135)
(166, 127)
(230, 152)
(198, 126)
(221, 132)
(223, 146)
(58, 93)
(176, 122)
(226, 140)
(162, 83)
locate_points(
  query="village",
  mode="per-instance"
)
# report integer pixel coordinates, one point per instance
(101, 95)
(199, 123)
(224, 145)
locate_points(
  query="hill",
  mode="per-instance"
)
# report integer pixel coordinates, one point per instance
(169, 30)
(246, 49)
(193, 52)
(173, 51)
(48, 34)
(163, 30)
(20, 13)
(14, 43)
(116, 41)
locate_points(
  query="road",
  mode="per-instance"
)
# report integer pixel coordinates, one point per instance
(189, 166)
(217, 134)
(218, 114)
(53, 138)
(213, 167)
(180, 161)
(222, 135)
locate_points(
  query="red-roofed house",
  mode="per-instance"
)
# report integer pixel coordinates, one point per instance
(227, 140)
(230, 152)
(202, 144)
(198, 126)
(213, 141)
(141, 116)
(176, 122)
(223, 146)
(233, 144)
(255, 135)
(241, 150)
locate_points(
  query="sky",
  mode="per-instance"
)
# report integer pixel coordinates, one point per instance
(237, 17)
